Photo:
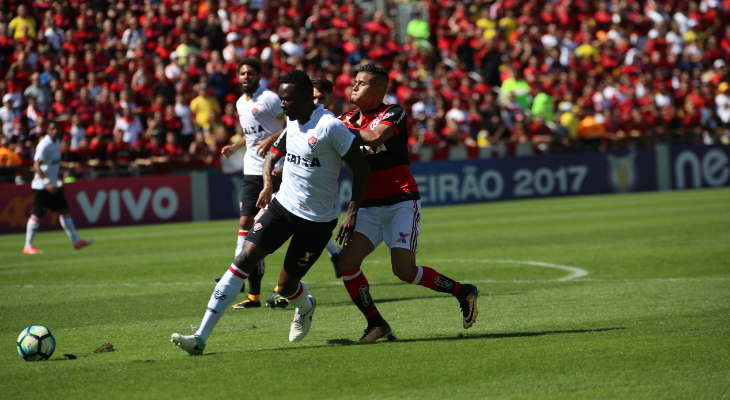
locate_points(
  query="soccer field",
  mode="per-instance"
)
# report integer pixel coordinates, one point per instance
(620, 296)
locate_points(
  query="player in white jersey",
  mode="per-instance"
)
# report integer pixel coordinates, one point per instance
(322, 94)
(260, 115)
(48, 192)
(306, 209)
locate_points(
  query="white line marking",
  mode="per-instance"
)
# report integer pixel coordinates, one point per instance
(212, 284)
(576, 273)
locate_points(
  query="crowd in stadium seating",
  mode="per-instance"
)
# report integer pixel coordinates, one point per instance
(149, 86)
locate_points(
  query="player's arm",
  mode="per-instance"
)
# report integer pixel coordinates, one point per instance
(266, 144)
(268, 190)
(231, 149)
(360, 175)
(46, 182)
(374, 138)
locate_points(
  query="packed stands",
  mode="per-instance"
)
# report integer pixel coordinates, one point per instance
(141, 87)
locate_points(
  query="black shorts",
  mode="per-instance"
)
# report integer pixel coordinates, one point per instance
(43, 201)
(250, 189)
(308, 241)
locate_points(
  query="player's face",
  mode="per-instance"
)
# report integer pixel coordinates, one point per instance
(248, 78)
(292, 102)
(53, 132)
(322, 98)
(364, 90)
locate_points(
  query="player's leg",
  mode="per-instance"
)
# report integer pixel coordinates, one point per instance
(275, 233)
(401, 236)
(59, 205)
(307, 245)
(334, 253)
(40, 200)
(368, 233)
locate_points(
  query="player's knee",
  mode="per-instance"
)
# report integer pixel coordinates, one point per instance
(347, 264)
(403, 271)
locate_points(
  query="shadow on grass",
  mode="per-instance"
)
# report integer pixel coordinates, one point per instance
(426, 297)
(461, 336)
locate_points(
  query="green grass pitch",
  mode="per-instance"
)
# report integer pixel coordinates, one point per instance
(649, 320)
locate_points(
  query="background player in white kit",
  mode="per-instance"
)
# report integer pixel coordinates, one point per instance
(305, 210)
(260, 115)
(48, 193)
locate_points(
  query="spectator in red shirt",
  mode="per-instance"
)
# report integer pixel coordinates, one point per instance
(84, 107)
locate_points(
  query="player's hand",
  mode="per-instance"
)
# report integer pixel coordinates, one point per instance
(265, 196)
(228, 151)
(51, 189)
(347, 229)
(265, 145)
(278, 171)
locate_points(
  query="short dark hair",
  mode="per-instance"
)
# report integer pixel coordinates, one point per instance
(381, 75)
(299, 79)
(323, 85)
(251, 62)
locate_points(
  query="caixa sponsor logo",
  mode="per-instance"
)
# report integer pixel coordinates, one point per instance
(163, 202)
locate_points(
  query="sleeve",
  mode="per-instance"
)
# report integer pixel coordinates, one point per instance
(39, 150)
(279, 147)
(394, 116)
(272, 106)
(340, 137)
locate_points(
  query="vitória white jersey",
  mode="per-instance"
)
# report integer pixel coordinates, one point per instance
(48, 153)
(314, 152)
(260, 118)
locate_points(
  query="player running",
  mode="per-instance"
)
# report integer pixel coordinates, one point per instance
(260, 115)
(48, 193)
(391, 208)
(306, 209)
(322, 94)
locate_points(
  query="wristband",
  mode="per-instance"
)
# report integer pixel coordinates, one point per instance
(46, 181)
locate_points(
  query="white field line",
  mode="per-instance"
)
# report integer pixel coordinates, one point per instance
(575, 275)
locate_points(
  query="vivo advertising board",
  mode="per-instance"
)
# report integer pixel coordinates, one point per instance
(104, 202)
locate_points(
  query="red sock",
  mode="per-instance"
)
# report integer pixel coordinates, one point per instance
(432, 279)
(358, 287)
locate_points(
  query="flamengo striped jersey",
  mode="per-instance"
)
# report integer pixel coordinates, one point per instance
(391, 181)
(313, 155)
(260, 118)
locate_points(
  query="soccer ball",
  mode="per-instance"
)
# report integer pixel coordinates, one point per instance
(36, 343)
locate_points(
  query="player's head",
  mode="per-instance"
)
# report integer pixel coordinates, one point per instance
(295, 91)
(53, 131)
(249, 74)
(322, 92)
(369, 87)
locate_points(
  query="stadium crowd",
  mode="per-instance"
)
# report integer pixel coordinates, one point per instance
(149, 86)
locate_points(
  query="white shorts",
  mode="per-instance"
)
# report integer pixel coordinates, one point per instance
(396, 225)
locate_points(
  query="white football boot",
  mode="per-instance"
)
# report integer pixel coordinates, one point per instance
(193, 345)
(302, 322)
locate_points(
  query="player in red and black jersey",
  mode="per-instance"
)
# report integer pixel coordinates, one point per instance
(390, 211)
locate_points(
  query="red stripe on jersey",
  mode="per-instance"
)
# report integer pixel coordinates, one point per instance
(390, 182)
(392, 125)
(277, 152)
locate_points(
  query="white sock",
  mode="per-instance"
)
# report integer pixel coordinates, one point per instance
(31, 230)
(68, 225)
(332, 248)
(241, 238)
(300, 300)
(224, 294)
